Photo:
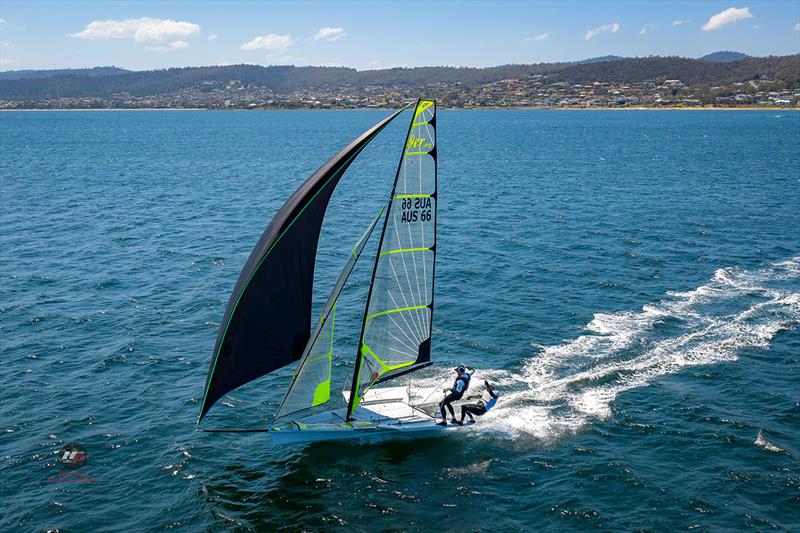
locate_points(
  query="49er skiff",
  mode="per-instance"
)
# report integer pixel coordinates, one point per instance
(266, 323)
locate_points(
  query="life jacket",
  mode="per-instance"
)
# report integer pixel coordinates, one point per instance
(465, 380)
(489, 399)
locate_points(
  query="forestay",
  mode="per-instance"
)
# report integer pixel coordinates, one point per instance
(397, 324)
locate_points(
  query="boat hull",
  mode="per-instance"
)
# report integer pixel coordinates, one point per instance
(383, 414)
(310, 434)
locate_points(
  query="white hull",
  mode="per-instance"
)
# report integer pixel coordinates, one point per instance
(384, 414)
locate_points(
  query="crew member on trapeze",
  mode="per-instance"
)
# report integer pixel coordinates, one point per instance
(479, 408)
(455, 392)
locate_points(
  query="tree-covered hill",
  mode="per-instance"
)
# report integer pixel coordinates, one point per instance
(689, 71)
(282, 80)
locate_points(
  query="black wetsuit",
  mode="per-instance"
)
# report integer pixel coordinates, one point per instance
(455, 394)
(480, 407)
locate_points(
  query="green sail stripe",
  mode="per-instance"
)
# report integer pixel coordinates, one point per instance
(404, 250)
(384, 367)
(322, 394)
(416, 153)
(321, 356)
(398, 310)
(422, 107)
(404, 196)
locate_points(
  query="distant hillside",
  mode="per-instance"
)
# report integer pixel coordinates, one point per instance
(725, 57)
(689, 71)
(600, 59)
(284, 81)
(38, 74)
(279, 79)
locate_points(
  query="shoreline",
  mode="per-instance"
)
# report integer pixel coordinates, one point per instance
(477, 108)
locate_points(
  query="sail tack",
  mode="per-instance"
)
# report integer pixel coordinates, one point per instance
(397, 324)
(267, 321)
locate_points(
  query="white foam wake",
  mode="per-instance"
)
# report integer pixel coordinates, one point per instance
(767, 445)
(561, 388)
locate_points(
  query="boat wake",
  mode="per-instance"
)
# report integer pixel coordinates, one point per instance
(563, 387)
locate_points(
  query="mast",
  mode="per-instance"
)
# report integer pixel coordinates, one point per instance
(396, 329)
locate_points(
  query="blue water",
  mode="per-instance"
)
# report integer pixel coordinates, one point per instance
(631, 281)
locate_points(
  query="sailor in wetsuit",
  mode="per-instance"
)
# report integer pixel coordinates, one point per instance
(480, 407)
(455, 393)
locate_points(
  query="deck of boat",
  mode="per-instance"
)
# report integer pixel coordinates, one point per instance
(384, 413)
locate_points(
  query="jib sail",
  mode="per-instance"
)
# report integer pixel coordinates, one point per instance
(311, 383)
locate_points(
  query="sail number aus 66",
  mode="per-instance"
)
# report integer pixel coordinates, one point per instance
(416, 209)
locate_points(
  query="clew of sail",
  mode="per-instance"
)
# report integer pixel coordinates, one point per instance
(311, 384)
(396, 330)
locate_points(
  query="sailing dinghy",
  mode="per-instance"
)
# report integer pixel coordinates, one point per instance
(267, 321)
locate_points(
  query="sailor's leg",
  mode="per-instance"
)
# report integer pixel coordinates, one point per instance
(474, 409)
(446, 403)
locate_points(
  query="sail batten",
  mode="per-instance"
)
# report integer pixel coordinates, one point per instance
(267, 320)
(396, 329)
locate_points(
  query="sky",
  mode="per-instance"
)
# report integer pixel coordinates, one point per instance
(145, 35)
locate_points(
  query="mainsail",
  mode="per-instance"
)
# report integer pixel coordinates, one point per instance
(267, 321)
(396, 331)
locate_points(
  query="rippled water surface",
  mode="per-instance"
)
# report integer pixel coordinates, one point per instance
(631, 281)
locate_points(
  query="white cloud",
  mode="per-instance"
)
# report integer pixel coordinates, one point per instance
(329, 34)
(176, 45)
(212, 37)
(723, 18)
(678, 22)
(2, 21)
(269, 42)
(6, 45)
(540, 37)
(646, 28)
(141, 29)
(797, 27)
(605, 28)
